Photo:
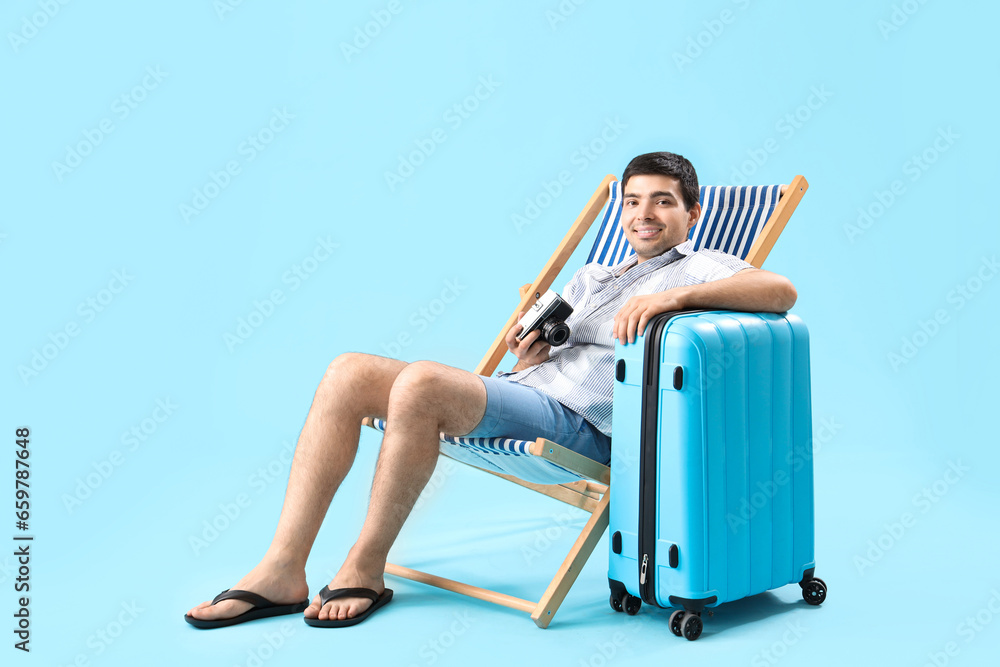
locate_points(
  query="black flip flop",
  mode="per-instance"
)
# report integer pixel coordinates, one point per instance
(262, 608)
(325, 595)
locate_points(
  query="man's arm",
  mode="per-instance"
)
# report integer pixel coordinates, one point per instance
(752, 290)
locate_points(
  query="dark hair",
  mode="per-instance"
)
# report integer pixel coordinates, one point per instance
(666, 164)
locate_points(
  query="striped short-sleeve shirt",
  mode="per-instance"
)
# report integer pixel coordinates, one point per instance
(579, 373)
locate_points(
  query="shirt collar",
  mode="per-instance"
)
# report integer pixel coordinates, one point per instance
(668, 257)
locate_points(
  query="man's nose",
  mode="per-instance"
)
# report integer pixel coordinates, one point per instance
(644, 211)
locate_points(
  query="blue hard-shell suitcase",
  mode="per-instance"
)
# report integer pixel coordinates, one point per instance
(711, 469)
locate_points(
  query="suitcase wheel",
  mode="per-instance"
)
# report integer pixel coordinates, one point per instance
(675, 622)
(814, 591)
(691, 626)
(616, 604)
(631, 605)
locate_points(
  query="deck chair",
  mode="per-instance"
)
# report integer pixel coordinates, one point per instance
(742, 220)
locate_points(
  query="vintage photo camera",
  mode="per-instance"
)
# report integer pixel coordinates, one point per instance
(548, 314)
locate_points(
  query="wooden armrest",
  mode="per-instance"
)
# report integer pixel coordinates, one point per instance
(576, 232)
(567, 458)
(789, 197)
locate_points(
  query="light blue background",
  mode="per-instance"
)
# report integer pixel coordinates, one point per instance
(890, 431)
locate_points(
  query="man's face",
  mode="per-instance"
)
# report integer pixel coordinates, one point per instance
(653, 215)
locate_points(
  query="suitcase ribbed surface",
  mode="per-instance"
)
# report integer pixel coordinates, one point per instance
(733, 468)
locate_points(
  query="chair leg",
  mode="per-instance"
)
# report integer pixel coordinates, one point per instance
(570, 568)
(458, 587)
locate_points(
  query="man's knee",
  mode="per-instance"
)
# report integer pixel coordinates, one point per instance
(359, 370)
(345, 367)
(455, 397)
(419, 380)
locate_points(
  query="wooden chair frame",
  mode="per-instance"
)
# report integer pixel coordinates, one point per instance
(592, 494)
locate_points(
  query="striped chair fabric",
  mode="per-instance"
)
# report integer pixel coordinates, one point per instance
(731, 218)
(503, 455)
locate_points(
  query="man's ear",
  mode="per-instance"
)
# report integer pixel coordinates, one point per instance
(693, 214)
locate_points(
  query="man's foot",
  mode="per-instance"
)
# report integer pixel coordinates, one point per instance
(344, 608)
(278, 584)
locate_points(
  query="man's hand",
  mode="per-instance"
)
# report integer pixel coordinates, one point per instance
(638, 310)
(752, 290)
(529, 351)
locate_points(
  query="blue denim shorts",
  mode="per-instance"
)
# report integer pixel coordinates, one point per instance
(520, 412)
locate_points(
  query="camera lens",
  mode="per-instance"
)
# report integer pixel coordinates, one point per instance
(555, 333)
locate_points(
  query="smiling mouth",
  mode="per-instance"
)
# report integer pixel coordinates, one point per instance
(647, 233)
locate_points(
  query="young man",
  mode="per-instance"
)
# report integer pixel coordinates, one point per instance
(563, 394)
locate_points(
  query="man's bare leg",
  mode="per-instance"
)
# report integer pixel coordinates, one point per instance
(354, 386)
(426, 398)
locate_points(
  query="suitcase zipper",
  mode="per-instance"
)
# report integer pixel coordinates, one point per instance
(647, 458)
(647, 452)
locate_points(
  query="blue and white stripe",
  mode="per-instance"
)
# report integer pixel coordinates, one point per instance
(733, 216)
(503, 455)
(731, 219)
